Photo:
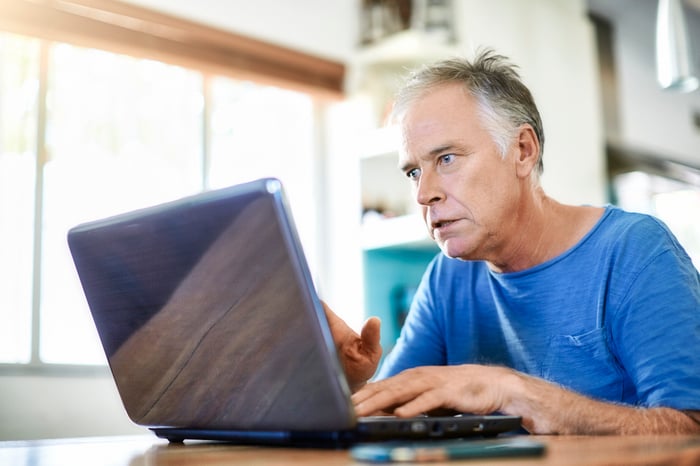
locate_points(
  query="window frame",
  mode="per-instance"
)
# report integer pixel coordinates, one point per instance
(132, 30)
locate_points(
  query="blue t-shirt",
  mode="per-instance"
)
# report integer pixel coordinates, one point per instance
(616, 318)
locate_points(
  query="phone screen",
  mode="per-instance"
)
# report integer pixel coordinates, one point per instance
(442, 450)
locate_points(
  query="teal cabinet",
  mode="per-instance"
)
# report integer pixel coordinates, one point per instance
(391, 276)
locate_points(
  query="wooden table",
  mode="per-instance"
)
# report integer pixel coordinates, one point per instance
(149, 451)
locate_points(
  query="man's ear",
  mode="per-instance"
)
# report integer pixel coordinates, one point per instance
(528, 151)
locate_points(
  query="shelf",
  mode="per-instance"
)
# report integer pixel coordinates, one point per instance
(405, 232)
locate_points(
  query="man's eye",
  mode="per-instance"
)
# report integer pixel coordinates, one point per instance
(447, 158)
(413, 174)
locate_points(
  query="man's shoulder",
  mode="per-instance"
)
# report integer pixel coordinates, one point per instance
(631, 241)
(618, 224)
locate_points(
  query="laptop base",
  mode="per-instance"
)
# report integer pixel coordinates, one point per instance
(372, 429)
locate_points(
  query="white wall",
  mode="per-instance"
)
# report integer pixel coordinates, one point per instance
(52, 406)
(325, 28)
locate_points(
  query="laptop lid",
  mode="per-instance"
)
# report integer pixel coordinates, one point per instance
(208, 316)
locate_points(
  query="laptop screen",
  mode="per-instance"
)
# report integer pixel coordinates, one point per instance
(208, 316)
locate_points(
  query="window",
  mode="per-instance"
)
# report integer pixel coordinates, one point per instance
(19, 59)
(121, 133)
(260, 131)
(86, 133)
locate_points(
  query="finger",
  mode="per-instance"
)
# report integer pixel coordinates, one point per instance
(341, 332)
(369, 400)
(421, 404)
(371, 336)
(374, 405)
(385, 395)
(397, 388)
(364, 393)
(331, 317)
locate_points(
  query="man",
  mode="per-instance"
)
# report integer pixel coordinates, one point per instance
(582, 320)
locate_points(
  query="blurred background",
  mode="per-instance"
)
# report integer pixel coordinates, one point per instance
(108, 106)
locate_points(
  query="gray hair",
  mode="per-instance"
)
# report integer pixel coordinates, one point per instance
(504, 102)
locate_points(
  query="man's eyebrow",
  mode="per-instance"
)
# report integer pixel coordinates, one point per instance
(405, 166)
(438, 150)
(442, 149)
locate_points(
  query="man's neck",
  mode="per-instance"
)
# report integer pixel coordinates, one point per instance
(544, 230)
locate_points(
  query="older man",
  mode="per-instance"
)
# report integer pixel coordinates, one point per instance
(580, 319)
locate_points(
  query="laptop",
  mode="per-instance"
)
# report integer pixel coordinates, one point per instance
(213, 330)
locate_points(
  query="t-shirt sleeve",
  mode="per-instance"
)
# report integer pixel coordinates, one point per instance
(656, 326)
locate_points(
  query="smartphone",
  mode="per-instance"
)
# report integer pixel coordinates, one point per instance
(442, 450)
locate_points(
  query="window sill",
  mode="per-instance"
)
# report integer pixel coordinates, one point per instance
(57, 370)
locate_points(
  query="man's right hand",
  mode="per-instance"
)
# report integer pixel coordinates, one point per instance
(359, 354)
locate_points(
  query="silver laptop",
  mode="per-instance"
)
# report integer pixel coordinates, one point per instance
(213, 329)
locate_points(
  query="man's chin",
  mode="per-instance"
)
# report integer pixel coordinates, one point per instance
(454, 249)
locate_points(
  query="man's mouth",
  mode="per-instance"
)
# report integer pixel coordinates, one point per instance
(442, 223)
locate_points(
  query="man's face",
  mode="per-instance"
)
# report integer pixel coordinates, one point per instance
(469, 195)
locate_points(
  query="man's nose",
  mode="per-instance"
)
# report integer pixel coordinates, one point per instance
(428, 189)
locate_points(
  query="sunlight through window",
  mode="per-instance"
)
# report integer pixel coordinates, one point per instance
(18, 98)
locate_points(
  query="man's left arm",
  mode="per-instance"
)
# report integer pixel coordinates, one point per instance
(548, 408)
